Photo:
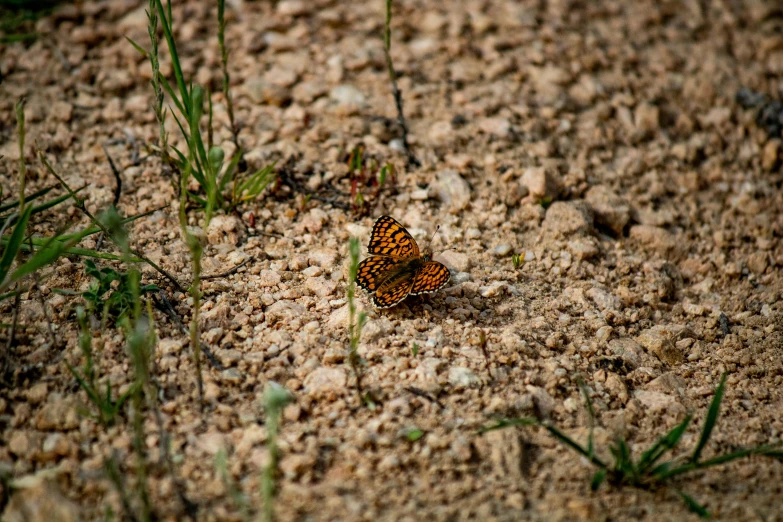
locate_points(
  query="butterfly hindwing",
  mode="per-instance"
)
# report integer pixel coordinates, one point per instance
(390, 295)
(373, 270)
(389, 238)
(430, 277)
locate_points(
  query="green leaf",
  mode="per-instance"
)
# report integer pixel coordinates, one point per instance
(598, 479)
(415, 434)
(216, 156)
(14, 243)
(712, 418)
(663, 444)
(693, 505)
(138, 47)
(15, 203)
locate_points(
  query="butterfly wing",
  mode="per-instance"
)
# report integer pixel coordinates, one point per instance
(389, 238)
(389, 295)
(430, 277)
(373, 270)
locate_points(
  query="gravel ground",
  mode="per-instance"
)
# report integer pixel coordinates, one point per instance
(601, 141)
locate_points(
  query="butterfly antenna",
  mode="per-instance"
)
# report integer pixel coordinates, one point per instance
(433, 235)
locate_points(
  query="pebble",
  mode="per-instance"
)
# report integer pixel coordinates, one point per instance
(492, 289)
(261, 91)
(19, 444)
(325, 381)
(454, 261)
(654, 401)
(284, 311)
(502, 250)
(347, 95)
(541, 183)
(499, 127)
(603, 299)
(323, 257)
(268, 278)
(656, 238)
(629, 350)
(659, 340)
(38, 393)
(610, 210)
(452, 190)
(321, 286)
(770, 156)
(646, 118)
(57, 414)
(565, 218)
(37, 499)
(461, 378)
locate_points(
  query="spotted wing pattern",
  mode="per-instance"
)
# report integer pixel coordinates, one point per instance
(389, 238)
(430, 277)
(390, 295)
(373, 270)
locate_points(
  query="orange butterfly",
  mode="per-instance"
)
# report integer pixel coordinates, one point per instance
(396, 268)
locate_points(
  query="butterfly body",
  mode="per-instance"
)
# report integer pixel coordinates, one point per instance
(396, 268)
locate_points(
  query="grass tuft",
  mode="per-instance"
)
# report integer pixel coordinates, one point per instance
(276, 398)
(648, 472)
(355, 322)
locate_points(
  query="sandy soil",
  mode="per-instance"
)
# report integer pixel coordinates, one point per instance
(599, 140)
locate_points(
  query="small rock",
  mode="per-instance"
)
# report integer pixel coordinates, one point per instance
(284, 311)
(38, 393)
(582, 249)
(758, 262)
(499, 127)
(656, 238)
(427, 373)
(646, 118)
(492, 289)
(56, 444)
(541, 183)
(19, 444)
(629, 350)
(603, 299)
(261, 91)
(376, 329)
(654, 401)
(324, 257)
(616, 387)
(454, 261)
(294, 466)
(669, 383)
(660, 340)
(347, 95)
(452, 190)
(610, 210)
(564, 218)
(268, 279)
(293, 7)
(321, 286)
(771, 154)
(461, 378)
(325, 381)
(211, 442)
(543, 402)
(57, 414)
(224, 229)
(461, 449)
(502, 250)
(39, 500)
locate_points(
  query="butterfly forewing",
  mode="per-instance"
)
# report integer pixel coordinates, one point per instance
(430, 277)
(389, 238)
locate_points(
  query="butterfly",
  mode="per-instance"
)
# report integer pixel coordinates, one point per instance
(395, 268)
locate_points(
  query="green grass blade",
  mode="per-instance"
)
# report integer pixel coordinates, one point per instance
(14, 243)
(693, 505)
(663, 444)
(508, 423)
(167, 87)
(571, 443)
(139, 48)
(15, 203)
(598, 479)
(166, 23)
(228, 174)
(712, 418)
